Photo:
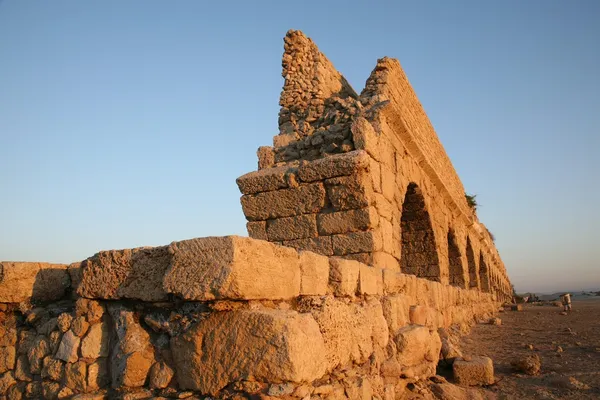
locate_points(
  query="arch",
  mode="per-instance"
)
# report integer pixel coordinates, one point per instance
(419, 251)
(456, 270)
(473, 281)
(484, 277)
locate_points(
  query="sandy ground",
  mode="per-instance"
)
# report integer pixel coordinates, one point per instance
(573, 373)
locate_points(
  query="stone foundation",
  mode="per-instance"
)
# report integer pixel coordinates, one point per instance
(222, 316)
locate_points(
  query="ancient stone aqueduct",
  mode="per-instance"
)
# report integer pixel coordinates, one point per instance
(364, 259)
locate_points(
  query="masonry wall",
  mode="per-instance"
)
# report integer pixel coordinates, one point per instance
(225, 317)
(389, 197)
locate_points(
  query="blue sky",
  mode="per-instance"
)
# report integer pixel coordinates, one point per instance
(125, 123)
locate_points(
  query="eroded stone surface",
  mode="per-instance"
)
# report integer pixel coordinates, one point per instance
(289, 348)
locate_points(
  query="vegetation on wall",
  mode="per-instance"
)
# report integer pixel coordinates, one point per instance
(471, 201)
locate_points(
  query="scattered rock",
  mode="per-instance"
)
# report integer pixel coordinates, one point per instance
(281, 389)
(567, 382)
(529, 365)
(495, 321)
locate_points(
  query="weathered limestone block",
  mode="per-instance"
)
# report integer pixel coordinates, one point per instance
(132, 354)
(257, 230)
(266, 157)
(50, 390)
(349, 192)
(6, 381)
(22, 369)
(53, 369)
(418, 351)
(160, 375)
(291, 228)
(75, 376)
(356, 242)
(232, 267)
(98, 375)
(343, 276)
(125, 274)
(264, 180)
(7, 358)
(96, 343)
(314, 274)
(421, 315)
(8, 331)
(305, 199)
(370, 280)
(396, 311)
(347, 221)
(21, 281)
(319, 245)
(289, 348)
(68, 348)
(475, 371)
(337, 165)
(351, 331)
(39, 349)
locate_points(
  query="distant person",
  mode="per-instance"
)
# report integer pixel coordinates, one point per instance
(566, 301)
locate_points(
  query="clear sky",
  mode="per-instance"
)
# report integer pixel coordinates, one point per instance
(125, 123)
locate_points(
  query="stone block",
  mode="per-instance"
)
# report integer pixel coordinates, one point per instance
(351, 332)
(75, 376)
(257, 230)
(365, 137)
(396, 311)
(266, 157)
(384, 260)
(126, 274)
(22, 281)
(347, 221)
(96, 343)
(68, 348)
(349, 192)
(263, 180)
(160, 375)
(370, 280)
(416, 345)
(6, 381)
(337, 165)
(98, 375)
(132, 354)
(393, 281)
(289, 348)
(292, 228)
(305, 199)
(320, 245)
(314, 274)
(356, 242)
(232, 267)
(7, 358)
(475, 371)
(420, 315)
(343, 276)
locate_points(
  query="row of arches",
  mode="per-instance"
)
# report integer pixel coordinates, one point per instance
(420, 255)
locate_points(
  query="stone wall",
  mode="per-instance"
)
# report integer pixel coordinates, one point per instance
(390, 198)
(228, 317)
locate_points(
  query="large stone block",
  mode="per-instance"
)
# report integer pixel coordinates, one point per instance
(343, 276)
(232, 267)
(314, 271)
(226, 347)
(350, 192)
(396, 311)
(132, 354)
(337, 165)
(418, 351)
(347, 221)
(356, 242)
(475, 371)
(264, 180)
(319, 244)
(95, 344)
(126, 274)
(7, 358)
(370, 280)
(292, 228)
(351, 331)
(305, 199)
(21, 281)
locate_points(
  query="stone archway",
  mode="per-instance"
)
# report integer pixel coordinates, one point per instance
(484, 277)
(456, 272)
(473, 280)
(419, 251)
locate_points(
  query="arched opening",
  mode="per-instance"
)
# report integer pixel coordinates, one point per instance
(484, 277)
(419, 253)
(473, 281)
(457, 276)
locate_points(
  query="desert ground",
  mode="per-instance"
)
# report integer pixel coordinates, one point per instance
(568, 346)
